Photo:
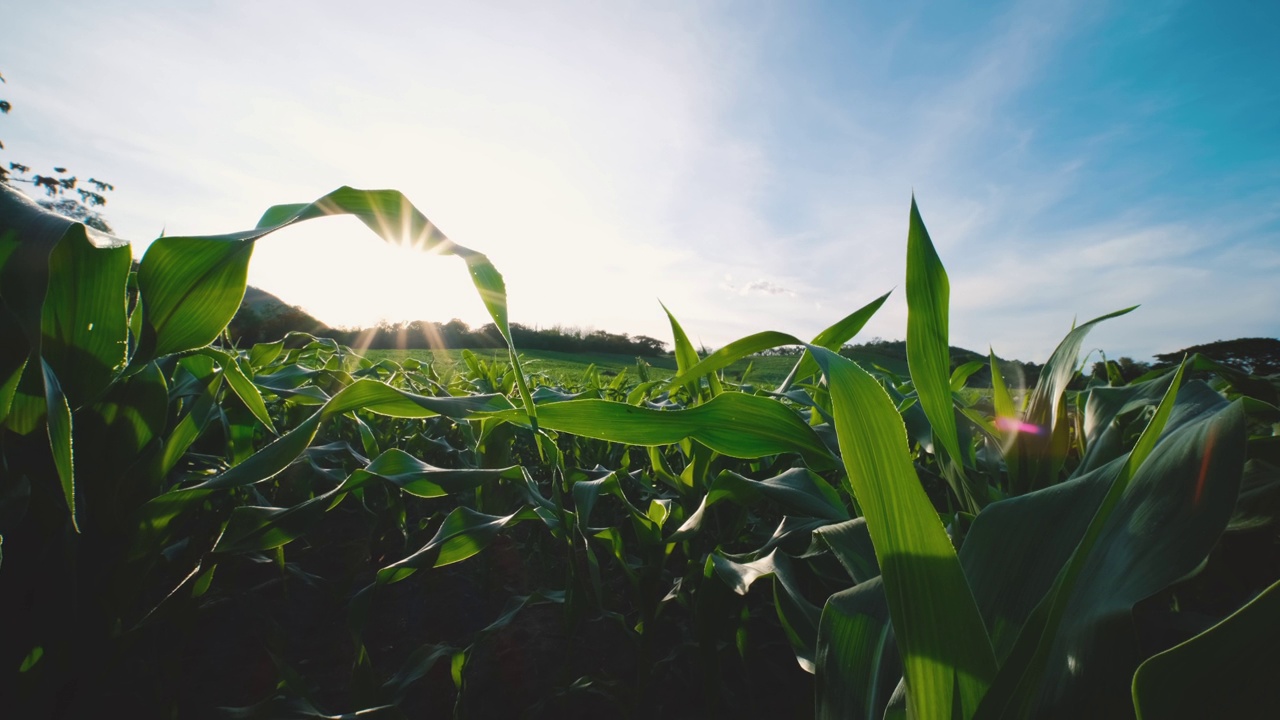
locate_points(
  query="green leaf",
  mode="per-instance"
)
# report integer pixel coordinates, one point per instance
(799, 617)
(463, 533)
(84, 322)
(263, 354)
(960, 375)
(59, 427)
(797, 492)
(1229, 670)
(1129, 534)
(833, 338)
(940, 634)
(1037, 464)
(729, 354)
(928, 348)
(256, 529)
(850, 542)
(242, 386)
(734, 424)
(369, 395)
(191, 287)
(62, 315)
(687, 356)
(1007, 418)
(1102, 433)
(857, 659)
(425, 480)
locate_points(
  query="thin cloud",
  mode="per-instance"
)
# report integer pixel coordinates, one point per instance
(607, 154)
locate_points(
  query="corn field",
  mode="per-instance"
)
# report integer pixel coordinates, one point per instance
(290, 530)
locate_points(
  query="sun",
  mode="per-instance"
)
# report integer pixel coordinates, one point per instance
(340, 272)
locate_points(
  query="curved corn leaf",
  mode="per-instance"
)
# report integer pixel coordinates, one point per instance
(427, 481)
(1037, 464)
(1229, 670)
(242, 386)
(463, 533)
(1005, 415)
(940, 634)
(251, 528)
(798, 492)
(850, 542)
(960, 375)
(734, 424)
(84, 322)
(799, 617)
(369, 395)
(586, 493)
(191, 287)
(857, 659)
(264, 528)
(833, 338)
(729, 354)
(63, 287)
(62, 290)
(1075, 651)
(1103, 435)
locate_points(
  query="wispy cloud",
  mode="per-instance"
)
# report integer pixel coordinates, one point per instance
(605, 155)
(758, 286)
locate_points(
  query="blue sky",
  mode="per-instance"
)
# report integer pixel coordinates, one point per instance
(749, 164)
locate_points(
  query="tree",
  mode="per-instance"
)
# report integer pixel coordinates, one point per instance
(1256, 356)
(58, 188)
(1120, 372)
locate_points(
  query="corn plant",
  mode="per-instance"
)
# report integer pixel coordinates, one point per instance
(925, 548)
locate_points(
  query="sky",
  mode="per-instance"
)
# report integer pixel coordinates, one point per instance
(749, 164)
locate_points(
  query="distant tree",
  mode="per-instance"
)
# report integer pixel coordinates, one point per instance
(1120, 372)
(1256, 356)
(649, 346)
(58, 188)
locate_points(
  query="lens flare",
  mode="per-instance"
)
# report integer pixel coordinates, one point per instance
(1010, 424)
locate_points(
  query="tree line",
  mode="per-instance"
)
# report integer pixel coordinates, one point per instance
(267, 322)
(254, 325)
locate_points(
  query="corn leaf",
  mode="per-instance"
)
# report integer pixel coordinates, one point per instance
(1228, 670)
(59, 429)
(84, 322)
(729, 354)
(798, 492)
(832, 338)
(242, 386)
(192, 286)
(939, 631)
(427, 481)
(928, 351)
(1149, 524)
(799, 617)
(463, 533)
(1037, 464)
(735, 424)
(687, 356)
(857, 658)
(369, 395)
(850, 542)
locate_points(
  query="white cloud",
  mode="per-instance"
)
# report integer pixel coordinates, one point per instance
(605, 155)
